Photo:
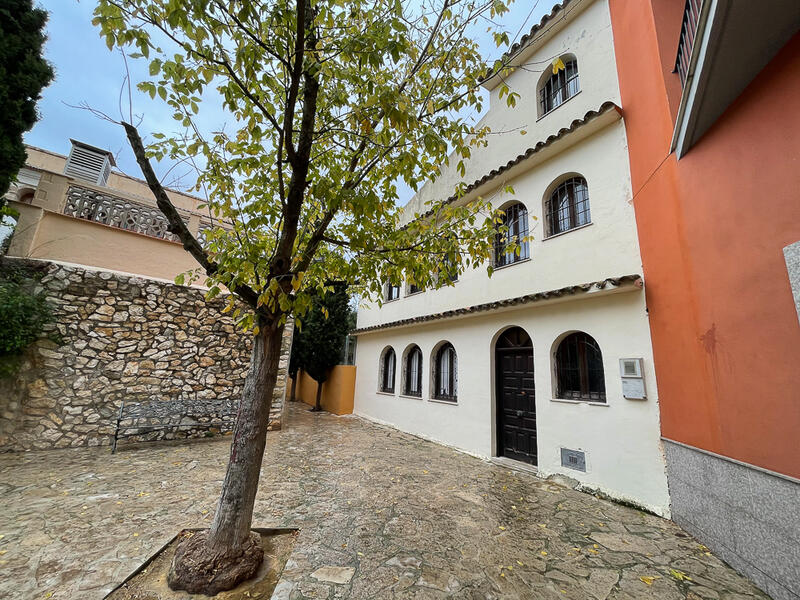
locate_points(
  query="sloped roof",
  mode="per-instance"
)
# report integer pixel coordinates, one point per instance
(538, 147)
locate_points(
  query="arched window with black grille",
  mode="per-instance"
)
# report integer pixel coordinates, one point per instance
(567, 207)
(387, 371)
(579, 369)
(513, 229)
(412, 372)
(560, 86)
(445, 373)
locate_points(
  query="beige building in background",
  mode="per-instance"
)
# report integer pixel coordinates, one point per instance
(75, 209)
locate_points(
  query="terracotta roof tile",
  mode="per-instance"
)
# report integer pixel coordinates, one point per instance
(570, 290)
(563, 132)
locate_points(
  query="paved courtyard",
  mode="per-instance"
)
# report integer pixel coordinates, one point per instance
(411, 518)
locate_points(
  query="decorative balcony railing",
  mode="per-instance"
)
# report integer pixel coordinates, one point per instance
(92, 205)
(691, 17)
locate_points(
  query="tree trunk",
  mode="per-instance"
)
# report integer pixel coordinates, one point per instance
(230, 554)
(234, 514)
(318, 403)
(294, 387)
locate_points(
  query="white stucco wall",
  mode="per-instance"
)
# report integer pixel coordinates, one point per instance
(620, 438)
(584, 30)
(606, 248)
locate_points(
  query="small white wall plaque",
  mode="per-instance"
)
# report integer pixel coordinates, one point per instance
(632, 374)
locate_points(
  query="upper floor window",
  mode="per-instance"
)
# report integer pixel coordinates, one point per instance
(567, 207)
(412, 372)
(448, 271)
(391, 291)
(414, 288)
(560, 86)
(579, 369)
(387, 371)
(445, 376)
(514, 230)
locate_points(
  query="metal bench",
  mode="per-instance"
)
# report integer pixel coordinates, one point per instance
(140, 418)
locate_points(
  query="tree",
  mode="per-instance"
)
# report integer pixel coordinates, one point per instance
(23, 75)
(322, 335)
(332, 102)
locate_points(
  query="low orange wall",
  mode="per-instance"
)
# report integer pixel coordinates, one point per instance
(337, 391)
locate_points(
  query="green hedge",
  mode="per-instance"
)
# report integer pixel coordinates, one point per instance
(23, 315)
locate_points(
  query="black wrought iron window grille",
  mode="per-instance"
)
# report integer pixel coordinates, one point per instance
(413, 372)
(387, 371)
(560, 87)
(579, 369)
(513, 230)
(568, 206)
(446, 374)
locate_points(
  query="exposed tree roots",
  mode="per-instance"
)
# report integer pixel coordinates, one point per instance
(198, 569)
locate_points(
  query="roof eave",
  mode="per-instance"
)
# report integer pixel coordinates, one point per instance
(571, 292)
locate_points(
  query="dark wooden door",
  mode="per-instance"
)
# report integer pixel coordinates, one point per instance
(516, 397)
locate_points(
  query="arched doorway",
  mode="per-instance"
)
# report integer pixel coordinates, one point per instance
(515, 396)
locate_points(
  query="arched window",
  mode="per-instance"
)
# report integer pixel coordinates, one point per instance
(568, 206)
(515, 229)
(579, 369)
(445, 373)
(559, 87)
(387, 371)
(412, 372)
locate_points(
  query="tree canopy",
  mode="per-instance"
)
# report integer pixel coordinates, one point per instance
(322, 332)
(319, 340)
(23, 75)
(333, 103)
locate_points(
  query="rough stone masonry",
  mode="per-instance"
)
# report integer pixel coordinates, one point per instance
(123, 338)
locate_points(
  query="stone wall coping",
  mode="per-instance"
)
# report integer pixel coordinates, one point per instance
(733, 460)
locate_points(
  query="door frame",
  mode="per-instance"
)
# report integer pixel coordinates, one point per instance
(496, 380)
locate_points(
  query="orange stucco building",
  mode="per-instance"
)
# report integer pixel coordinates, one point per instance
(711, 100)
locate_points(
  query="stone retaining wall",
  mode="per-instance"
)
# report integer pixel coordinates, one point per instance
(123, 338)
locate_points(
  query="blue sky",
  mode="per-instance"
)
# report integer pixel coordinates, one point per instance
(86, 71)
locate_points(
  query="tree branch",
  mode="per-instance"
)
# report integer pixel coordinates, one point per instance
(176, 224)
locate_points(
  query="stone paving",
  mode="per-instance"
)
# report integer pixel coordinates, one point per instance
(382, 515)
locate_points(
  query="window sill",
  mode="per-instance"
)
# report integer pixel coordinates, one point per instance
(382, 393)
(589, 402)
(410, 396)
(584, 226)
(514, 264)
(552, 110)
(440, 401)
(415, 293)
(385, 301)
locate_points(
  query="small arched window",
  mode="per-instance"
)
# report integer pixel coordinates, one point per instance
(579, 369)
(567, 207)
(412, 372)
(559, 87)
(25, 196)
(513, 229)
(445, 369)
(387, 371)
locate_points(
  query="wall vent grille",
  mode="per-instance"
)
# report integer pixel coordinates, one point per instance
(573, 459)
(89, 163)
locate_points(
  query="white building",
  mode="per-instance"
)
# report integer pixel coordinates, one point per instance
(526, 365)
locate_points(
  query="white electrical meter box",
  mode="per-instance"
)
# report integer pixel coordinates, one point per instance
(630, 369)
